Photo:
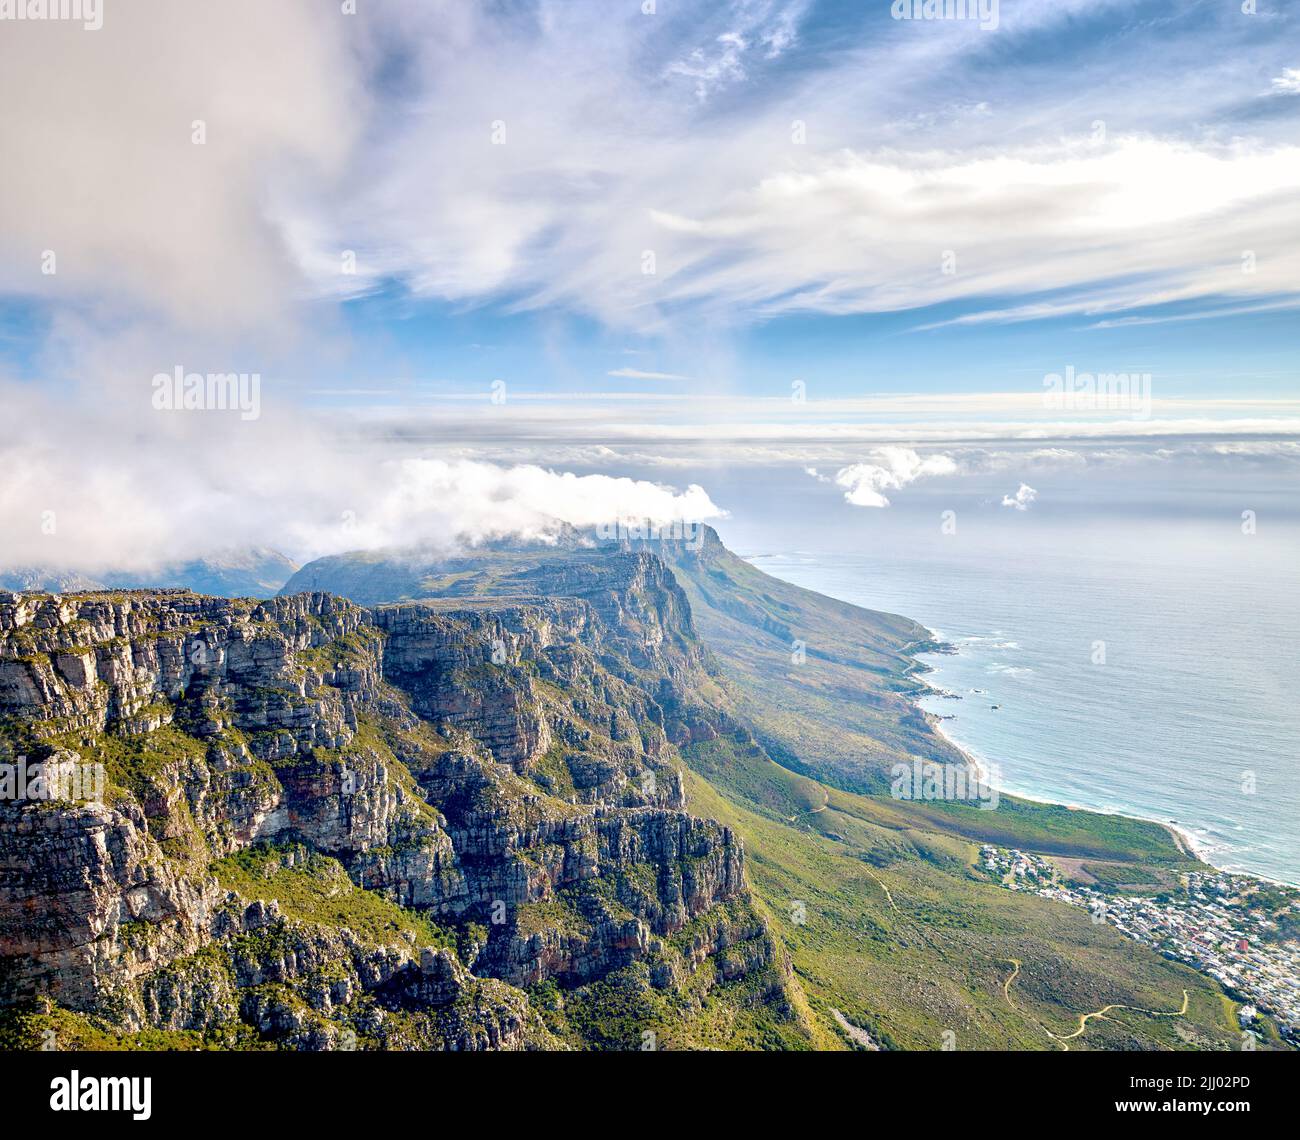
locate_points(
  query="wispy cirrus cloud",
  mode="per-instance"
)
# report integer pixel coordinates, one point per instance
(638, 374)
(534, 154)
(790, 202)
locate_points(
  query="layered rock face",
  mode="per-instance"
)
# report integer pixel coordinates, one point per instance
(326, 825)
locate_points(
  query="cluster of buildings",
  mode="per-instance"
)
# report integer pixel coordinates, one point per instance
(1224, 925)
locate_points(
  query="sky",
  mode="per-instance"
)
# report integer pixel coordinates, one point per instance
(495, 264)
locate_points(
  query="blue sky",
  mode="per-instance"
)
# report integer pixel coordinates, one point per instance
(671, 132)
(640, 224)
(454, 349)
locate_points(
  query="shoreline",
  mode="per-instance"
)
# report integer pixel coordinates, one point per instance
(1182, 836)
(928, 641)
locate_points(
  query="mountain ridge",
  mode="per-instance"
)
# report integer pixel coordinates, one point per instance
(548, 724)
(465, 764)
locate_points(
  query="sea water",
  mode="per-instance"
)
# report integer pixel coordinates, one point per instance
(1136, 662)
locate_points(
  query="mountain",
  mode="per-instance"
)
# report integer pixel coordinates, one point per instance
(252, 573)
(533, 797)
(842, 710)
(872, 896)
(433, 826)
(827, 686)
(830, 687)
(41, 578)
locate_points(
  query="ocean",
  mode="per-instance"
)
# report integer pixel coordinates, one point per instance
(1141, 663)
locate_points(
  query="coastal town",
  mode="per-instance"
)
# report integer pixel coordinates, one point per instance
(1242, 931)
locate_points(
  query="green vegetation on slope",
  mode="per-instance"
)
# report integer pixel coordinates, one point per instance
(315, 888)
(827, 687)
(890, 923)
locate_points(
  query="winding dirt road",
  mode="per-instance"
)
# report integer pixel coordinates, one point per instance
(815, 811)
(1084, 1018)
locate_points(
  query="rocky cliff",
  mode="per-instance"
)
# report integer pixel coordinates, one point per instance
(446, 825)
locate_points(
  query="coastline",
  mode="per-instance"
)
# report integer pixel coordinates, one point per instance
(1182, 836)
(1185, 840)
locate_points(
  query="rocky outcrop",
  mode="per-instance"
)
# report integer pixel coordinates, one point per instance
(311, 986)
(83, 662)
(690, 866)
(504, 768)
(72, 880)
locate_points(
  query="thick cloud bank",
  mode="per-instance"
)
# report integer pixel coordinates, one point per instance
(87, 500)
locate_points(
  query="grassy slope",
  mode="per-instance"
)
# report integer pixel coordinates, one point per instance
(936, 957)
(317, 890)
(844, 711)
(939, 955)
(846, 714)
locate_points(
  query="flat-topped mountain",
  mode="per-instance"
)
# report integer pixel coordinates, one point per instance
(589, 795)
(827, 686)
(323, 820)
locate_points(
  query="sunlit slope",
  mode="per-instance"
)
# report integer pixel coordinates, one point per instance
(827, 686)
(889, 921)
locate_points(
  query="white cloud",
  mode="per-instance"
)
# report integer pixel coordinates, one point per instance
(617, 160)
(1021, 499)
(121, 491)
(602, 156)
(1288, 83)
(763, 27)
(637, 374)
(422, 501)
(376, 135)
(102, 170)
(888, 469)
(713, 68)
(1126, 223)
